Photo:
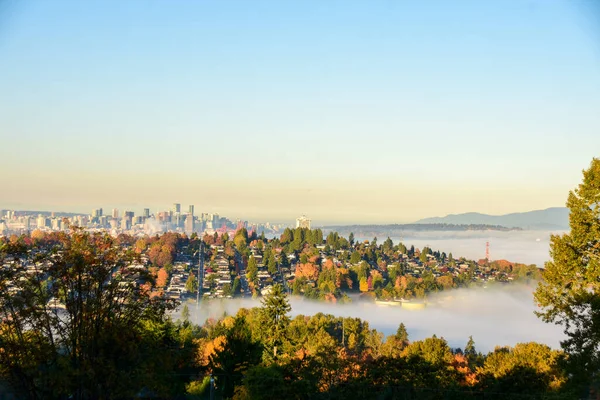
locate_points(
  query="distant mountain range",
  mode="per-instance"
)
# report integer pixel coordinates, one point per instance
(555, 218)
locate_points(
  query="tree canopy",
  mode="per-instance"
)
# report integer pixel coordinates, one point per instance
(569, 294)
(73, 317)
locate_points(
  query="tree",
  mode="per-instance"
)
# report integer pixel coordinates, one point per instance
(237, 286)
(433, 350)
(470, 347)
(351, 239)
(318, 236)
(402, 334)
(231, 360)
(363, 285)
(89, 348)
(474, 358)
(252, 270)
(227, 290)
(286, 237)
(272, 264)
(274, 319)
(308, 270)
(355, 257)
(423, 257)
(387, 245)
(570, 292)
(191, 284)
(185, 313)
(241, 238)
(283, 260)
(527, 368)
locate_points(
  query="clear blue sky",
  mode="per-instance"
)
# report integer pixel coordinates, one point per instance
(347, 111)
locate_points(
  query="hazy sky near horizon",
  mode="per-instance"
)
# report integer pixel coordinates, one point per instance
(347, 111)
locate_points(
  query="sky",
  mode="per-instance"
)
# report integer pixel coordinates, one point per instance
(346, 111)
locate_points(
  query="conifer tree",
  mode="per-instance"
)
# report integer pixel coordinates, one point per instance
(185, 313)
(274, 319)
(252, 270)
(570, 291)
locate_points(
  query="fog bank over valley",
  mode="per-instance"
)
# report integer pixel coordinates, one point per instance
(498, 315)
(527, 247)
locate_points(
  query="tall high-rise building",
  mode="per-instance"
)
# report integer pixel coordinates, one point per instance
(96, 213)
(128, 214)
(115, 213)
(126, 223)
(146, 213)
(176, 208)
(114, 224)
(191, 209)
(303, 222)
(189, 224)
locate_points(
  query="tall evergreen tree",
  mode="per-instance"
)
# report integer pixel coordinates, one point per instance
(185, 313)
(402, 334)
(570, 290)
(272, 264)
(252, 269)
(274, 319)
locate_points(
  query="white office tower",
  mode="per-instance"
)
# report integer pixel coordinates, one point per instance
(303, 222)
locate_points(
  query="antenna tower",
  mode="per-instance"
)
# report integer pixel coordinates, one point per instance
(487, 251)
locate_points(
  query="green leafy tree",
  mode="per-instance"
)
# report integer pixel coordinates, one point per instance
(570, 292)
(433, 350)
(351, 239)
(227, 290)
(241, 238)
(90, 348)
(191, 284)
(355, 257)
(275, 320)
(528, 368)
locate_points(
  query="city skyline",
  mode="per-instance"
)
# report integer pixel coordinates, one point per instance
(347, 112)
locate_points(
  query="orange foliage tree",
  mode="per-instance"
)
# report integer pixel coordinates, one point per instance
(161, 278)
(308, 270)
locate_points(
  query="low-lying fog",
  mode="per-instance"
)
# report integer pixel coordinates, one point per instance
(493, 316)
(527, 247)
